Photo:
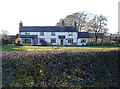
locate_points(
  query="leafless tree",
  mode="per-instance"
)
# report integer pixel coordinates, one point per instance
(98, 24)
(80, 18)
(4, 36)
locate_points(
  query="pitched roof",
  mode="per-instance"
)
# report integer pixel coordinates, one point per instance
(48, 29)
(83, 35)
(28, 36)
(13, 36)
(98, 34)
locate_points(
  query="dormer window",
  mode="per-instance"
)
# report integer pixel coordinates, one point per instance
(41, 33)
(52, 33)
(70, 34)
(27, 33)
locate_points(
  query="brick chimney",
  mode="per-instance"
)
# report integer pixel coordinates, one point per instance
(20, 25)
(75, 24)
(63, 23)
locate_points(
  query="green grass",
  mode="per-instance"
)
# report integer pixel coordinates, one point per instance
(12, 47)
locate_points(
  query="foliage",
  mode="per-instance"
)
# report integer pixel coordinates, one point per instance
(50, 44)
(44, 43)
(87, 44)
(17, 39)
(74, 44)
(18, 43)
(83, 45)
(75, 68)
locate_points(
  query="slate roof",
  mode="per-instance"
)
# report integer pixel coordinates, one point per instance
(48, 29)
(28, 36)
(98, 34)
(83, 35)
(13, 36)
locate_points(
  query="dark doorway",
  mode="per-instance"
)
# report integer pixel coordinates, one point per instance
(61, 41)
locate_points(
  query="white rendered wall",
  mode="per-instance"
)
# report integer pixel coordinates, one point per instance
(79, 41)
(26, 44)
(47, 36)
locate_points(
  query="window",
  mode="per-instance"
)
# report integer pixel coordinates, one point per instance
(41, 40)
(52, 33)
(70, 40)
(26, 40)
(27, 33)
(83, 41)
(70, 34)
(41, 33)
(53, 40)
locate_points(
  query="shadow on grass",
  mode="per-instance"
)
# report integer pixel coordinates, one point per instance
(13, 47)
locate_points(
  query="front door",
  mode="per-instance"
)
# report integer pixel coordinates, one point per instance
(61, 41)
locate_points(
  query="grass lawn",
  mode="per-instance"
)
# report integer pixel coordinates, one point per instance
(12, 47)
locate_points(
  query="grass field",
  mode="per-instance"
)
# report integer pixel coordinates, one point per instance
(12, 47)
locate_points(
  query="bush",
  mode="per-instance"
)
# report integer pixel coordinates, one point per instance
(92, 43)
(83, 45)
(99, 44)
(112, 44)
(87, 44)
(18, 43)
(49, 44)
(44, 43)
(74, 44)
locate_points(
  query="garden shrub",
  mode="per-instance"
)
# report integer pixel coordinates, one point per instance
(87, 44)
(83, 45)
(43, 43)
(50, 44)
(18, 43)
(92, 43)
(74, 44)
(99, 44)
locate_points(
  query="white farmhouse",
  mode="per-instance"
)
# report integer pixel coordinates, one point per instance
(55, 35)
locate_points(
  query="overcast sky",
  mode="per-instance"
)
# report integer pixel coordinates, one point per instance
(48, 12)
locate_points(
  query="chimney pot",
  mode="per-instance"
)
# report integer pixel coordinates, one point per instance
(63, 23)
(75, 24)
(20, 24)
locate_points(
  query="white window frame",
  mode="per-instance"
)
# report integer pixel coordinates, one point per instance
(27, 33)
(83, 40)
(41, 33)
(70, 40)
(52, 33)
(53, 40)
(70, 34)
(26, 41)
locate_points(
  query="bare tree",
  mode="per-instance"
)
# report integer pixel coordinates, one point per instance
(97, 25)
(80, 18)
(4, 36)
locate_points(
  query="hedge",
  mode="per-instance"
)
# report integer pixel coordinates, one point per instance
(75, 68)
